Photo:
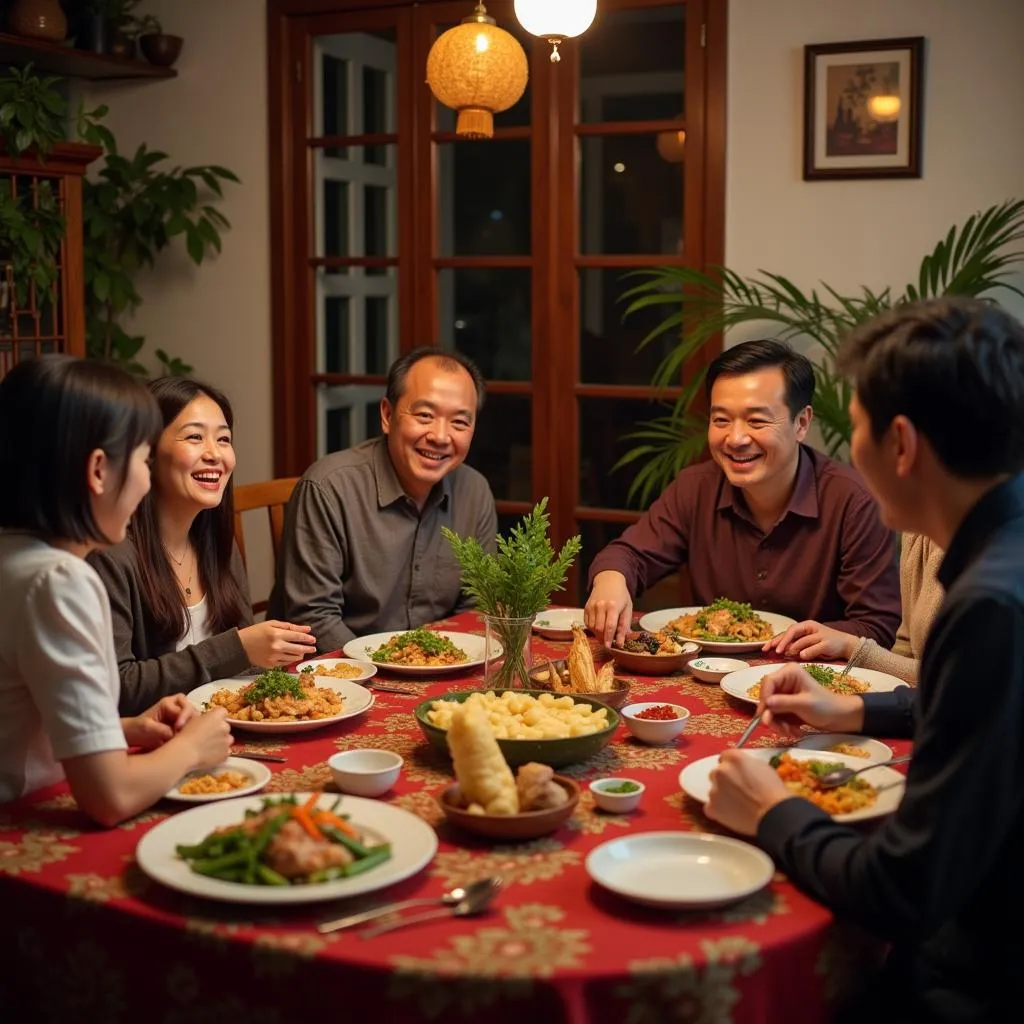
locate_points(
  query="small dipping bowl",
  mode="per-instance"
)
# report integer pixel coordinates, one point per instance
(714, 670)
(617, 803)
(654, 730)
(365, 772)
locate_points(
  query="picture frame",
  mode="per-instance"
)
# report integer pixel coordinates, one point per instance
(863, 109)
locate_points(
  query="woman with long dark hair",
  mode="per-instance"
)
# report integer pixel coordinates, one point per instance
(177, 586)
(75, 440)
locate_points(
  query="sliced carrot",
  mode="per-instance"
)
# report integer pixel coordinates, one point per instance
(311, 802)
(301, 815)
(327, 818)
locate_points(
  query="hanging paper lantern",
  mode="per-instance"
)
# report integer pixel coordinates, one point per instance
(672, 146)
(478, 70)
(555, 20)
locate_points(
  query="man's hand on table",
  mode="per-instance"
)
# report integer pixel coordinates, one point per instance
(609, 609)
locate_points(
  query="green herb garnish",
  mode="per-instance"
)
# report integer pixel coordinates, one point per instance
(741, 612)
(274, 683)
(820, 674)
(428, 641)
(622, 787)
(821, 768)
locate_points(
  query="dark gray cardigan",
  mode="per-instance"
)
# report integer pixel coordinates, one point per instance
(150, 670)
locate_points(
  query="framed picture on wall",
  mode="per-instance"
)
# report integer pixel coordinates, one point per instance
(862, 109)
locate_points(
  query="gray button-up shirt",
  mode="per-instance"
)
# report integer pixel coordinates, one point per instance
(358, 557)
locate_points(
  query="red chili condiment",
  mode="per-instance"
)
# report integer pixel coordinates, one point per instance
(660, 712)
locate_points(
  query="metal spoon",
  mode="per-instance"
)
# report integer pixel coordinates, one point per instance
(478, 897)
(840, 776)
(449, 899)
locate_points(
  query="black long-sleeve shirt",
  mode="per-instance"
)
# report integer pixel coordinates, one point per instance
(943, 877)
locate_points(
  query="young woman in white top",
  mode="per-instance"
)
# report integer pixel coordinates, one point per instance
(74, 447)
(177, 586)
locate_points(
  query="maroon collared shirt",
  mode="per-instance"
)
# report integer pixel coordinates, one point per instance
(828, 558)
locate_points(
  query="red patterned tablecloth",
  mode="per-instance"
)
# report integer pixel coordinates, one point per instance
(87, 937)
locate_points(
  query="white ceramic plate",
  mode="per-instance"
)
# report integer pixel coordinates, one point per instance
(557, 623)
(653, 621)
(680, 870)
(357, 700)
(695, 779)
(366, 668)
(875, 749)
(413, 845)
(737, 684)
(259, 773)
(472, 643)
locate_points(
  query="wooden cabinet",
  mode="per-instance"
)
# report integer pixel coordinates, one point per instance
(33, 320)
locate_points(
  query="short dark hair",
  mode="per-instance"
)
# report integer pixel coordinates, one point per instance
(211, 534)
(750, 356)
(955, 368)
(55, 411)
(449, 360)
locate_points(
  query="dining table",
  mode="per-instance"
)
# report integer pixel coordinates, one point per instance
(87, 936)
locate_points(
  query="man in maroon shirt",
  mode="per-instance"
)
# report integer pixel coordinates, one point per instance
(769, 521)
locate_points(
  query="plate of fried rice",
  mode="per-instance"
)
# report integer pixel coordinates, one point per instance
(872, 794)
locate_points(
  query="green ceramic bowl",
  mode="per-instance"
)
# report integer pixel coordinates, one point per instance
(550, 752)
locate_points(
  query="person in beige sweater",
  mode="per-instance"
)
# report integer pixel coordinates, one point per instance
(921, 594)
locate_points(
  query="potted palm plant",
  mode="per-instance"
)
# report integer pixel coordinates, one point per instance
(975, 258)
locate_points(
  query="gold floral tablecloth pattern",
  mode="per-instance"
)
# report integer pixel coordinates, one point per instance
(555, 947)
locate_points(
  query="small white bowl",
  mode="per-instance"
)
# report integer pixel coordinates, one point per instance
(617, 803)
(654, 730)
(713, 670)
(365, 772)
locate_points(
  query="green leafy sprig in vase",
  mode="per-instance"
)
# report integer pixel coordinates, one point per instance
(513, 585)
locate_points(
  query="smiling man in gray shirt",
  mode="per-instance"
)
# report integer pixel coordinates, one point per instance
(362, 550)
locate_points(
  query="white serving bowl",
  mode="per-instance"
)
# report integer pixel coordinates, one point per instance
(713, 670)
(654, 730)
(365, 772)
(617, 803)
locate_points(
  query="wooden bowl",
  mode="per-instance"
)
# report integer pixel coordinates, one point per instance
(653, 664)
(613, 698)
(529, 825)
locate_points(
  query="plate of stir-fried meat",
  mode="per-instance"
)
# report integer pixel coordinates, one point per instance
(291, 848)
(745, 685)
(721, 627)
(277, 701)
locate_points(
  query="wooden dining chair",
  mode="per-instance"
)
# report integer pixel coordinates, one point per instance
(272, 495)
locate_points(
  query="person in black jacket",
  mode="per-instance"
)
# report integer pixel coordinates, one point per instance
(938, 435)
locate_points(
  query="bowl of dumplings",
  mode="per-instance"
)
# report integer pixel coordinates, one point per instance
(487, 798)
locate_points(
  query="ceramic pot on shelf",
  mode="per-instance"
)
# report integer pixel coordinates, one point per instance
(38, 19)
(160, 49)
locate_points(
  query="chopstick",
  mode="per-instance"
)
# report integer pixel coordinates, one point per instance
(748, 732)
(252, 756)
(385, 688)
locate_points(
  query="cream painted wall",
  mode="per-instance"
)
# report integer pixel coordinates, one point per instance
(868, 232)
(216, 316)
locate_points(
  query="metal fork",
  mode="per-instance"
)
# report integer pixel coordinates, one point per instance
(852, 660)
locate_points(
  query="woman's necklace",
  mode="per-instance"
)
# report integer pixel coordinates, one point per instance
(179, 562)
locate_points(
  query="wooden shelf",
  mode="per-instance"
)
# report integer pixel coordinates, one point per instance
(65, 60)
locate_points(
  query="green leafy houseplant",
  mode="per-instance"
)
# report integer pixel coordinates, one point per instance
(514, 584)
(973, 259)
(132, 211)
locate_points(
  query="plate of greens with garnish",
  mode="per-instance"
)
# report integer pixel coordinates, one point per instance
(419, 652)
(277, 701)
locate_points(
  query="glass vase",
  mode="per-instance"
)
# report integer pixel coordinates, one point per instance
(507, 652)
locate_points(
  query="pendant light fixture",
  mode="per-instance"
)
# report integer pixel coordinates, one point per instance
(556, 20)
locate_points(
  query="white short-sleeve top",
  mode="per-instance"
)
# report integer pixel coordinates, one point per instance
(59, 683)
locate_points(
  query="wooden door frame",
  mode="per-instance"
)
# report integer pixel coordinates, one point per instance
(294, 427)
